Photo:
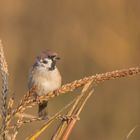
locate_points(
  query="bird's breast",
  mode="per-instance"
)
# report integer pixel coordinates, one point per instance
(46, 81)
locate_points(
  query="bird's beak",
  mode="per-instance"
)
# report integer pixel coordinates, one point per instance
(57, 58)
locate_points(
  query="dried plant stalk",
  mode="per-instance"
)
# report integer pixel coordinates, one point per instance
(3, 63)
(52, 119)
(98, 78)
(74, 120)
(72, 113)
(28, 101)
(4, 75)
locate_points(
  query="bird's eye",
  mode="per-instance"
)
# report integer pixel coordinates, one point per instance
(45, 61)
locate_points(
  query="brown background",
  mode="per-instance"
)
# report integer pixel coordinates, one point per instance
(91, 36)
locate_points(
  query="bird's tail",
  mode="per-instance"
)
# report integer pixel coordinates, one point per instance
(42, 112)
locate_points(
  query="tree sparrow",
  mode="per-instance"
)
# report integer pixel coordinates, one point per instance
(45, 77)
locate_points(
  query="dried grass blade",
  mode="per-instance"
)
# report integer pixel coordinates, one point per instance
(58, 134)
(130, 132)
(50, 121)
(74, 120)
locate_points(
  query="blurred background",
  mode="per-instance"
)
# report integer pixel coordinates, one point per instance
(90, 36)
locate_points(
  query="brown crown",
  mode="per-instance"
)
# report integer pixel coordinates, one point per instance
(47, 54)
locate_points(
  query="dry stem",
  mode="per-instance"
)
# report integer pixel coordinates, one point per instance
(67, 124)
(4, 75)
(28, 101)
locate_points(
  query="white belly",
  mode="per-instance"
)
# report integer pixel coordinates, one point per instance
(49, 86)
(46, 81)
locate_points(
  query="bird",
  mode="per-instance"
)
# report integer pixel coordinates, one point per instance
(45, 77)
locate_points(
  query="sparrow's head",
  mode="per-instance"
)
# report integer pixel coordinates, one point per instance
(47, 60)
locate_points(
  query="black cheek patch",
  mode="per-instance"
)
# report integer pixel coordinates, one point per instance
(52, 65)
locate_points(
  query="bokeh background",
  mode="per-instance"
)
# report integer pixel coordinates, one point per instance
(91, 36)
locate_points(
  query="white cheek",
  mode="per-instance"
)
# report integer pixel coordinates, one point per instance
(48, 65)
